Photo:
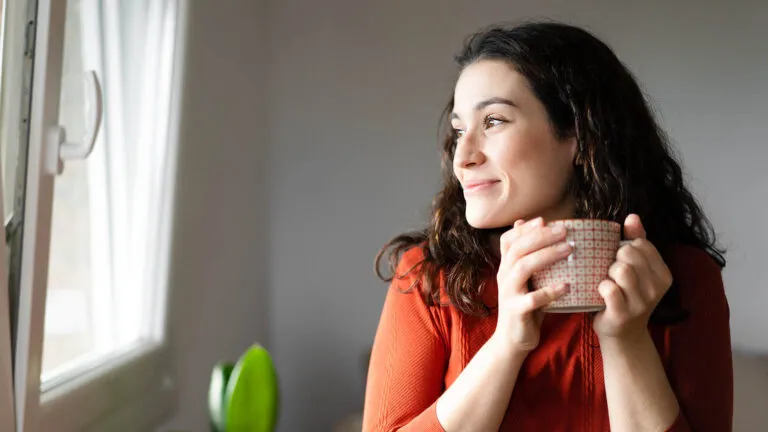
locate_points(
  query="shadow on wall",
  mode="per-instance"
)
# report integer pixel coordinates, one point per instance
(354, 421)
(750, 382)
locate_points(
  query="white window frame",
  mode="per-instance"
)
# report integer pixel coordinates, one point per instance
(7, 415)
(134, 389)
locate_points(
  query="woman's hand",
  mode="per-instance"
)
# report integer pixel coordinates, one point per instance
(525, 249)
(637, 281)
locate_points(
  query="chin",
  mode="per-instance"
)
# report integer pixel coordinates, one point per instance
(488, 223)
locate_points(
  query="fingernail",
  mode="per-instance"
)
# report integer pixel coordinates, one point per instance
(562, 287)
(564, 247)
(539, 221)
(572, 244)
(558, 229)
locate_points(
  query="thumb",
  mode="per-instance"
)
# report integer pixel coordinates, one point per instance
(633, 227)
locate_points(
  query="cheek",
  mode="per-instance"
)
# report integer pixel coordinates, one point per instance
(513, 155)
(531, 159)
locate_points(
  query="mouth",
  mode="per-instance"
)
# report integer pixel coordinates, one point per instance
(480, 185)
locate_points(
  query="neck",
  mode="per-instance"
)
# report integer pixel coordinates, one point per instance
(565, 210)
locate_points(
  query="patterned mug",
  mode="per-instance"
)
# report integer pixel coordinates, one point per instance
(595, 243)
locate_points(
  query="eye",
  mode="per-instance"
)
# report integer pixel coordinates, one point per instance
(492, 121)
(458, 133)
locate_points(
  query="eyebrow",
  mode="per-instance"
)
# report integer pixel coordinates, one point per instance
(492, 101)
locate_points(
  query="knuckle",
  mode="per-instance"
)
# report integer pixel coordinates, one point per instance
(658, 292)
(506, 238)
(528, 302)
(624, 252)
(648, 293)
(603, 287)
(640, 243)
(623, 270)
(511, 255)
(550, 294)
(521, 266)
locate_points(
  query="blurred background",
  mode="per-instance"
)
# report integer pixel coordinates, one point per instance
(309, 138)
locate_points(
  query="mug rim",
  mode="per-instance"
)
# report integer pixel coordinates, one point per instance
(584, 219)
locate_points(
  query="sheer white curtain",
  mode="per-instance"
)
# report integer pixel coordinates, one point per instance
(137, 64)
(119, 196)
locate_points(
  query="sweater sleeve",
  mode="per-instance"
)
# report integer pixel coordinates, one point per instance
(701, 363)
(408, 361)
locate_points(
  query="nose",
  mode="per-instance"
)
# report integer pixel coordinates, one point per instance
(468, 152)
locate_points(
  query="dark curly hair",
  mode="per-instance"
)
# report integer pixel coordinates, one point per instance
(623, 164)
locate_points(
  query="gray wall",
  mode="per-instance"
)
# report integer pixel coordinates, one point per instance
(309, 138)
(219, 292)
(355, 89)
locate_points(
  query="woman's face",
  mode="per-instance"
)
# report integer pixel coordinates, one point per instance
(508, 159)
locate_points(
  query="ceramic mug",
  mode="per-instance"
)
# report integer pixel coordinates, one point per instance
(595, 243)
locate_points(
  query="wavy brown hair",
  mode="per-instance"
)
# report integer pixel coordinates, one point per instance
(624, 163)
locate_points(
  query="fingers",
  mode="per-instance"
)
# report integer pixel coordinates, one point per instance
(653, 259)
(653, 277)
(538, 299)
(616, 305)
(626, 278)
(506, 240)
(538, 260)
(638, 280)
(531, 237)
(520, 227)
(634, 230)
(631, 269)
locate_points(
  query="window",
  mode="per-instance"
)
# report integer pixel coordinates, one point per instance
(87, 233)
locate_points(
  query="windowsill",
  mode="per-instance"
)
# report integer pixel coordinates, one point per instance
(132, 392)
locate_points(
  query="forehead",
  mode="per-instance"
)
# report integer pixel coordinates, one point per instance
(485, 79)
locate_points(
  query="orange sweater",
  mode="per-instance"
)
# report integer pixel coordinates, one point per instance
(419, 351)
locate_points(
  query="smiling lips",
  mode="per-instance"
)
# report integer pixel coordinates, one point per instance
(479, 185)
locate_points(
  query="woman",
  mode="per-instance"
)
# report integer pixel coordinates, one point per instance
(546, 123)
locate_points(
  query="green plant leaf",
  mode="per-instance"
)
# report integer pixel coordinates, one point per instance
(252, 396)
